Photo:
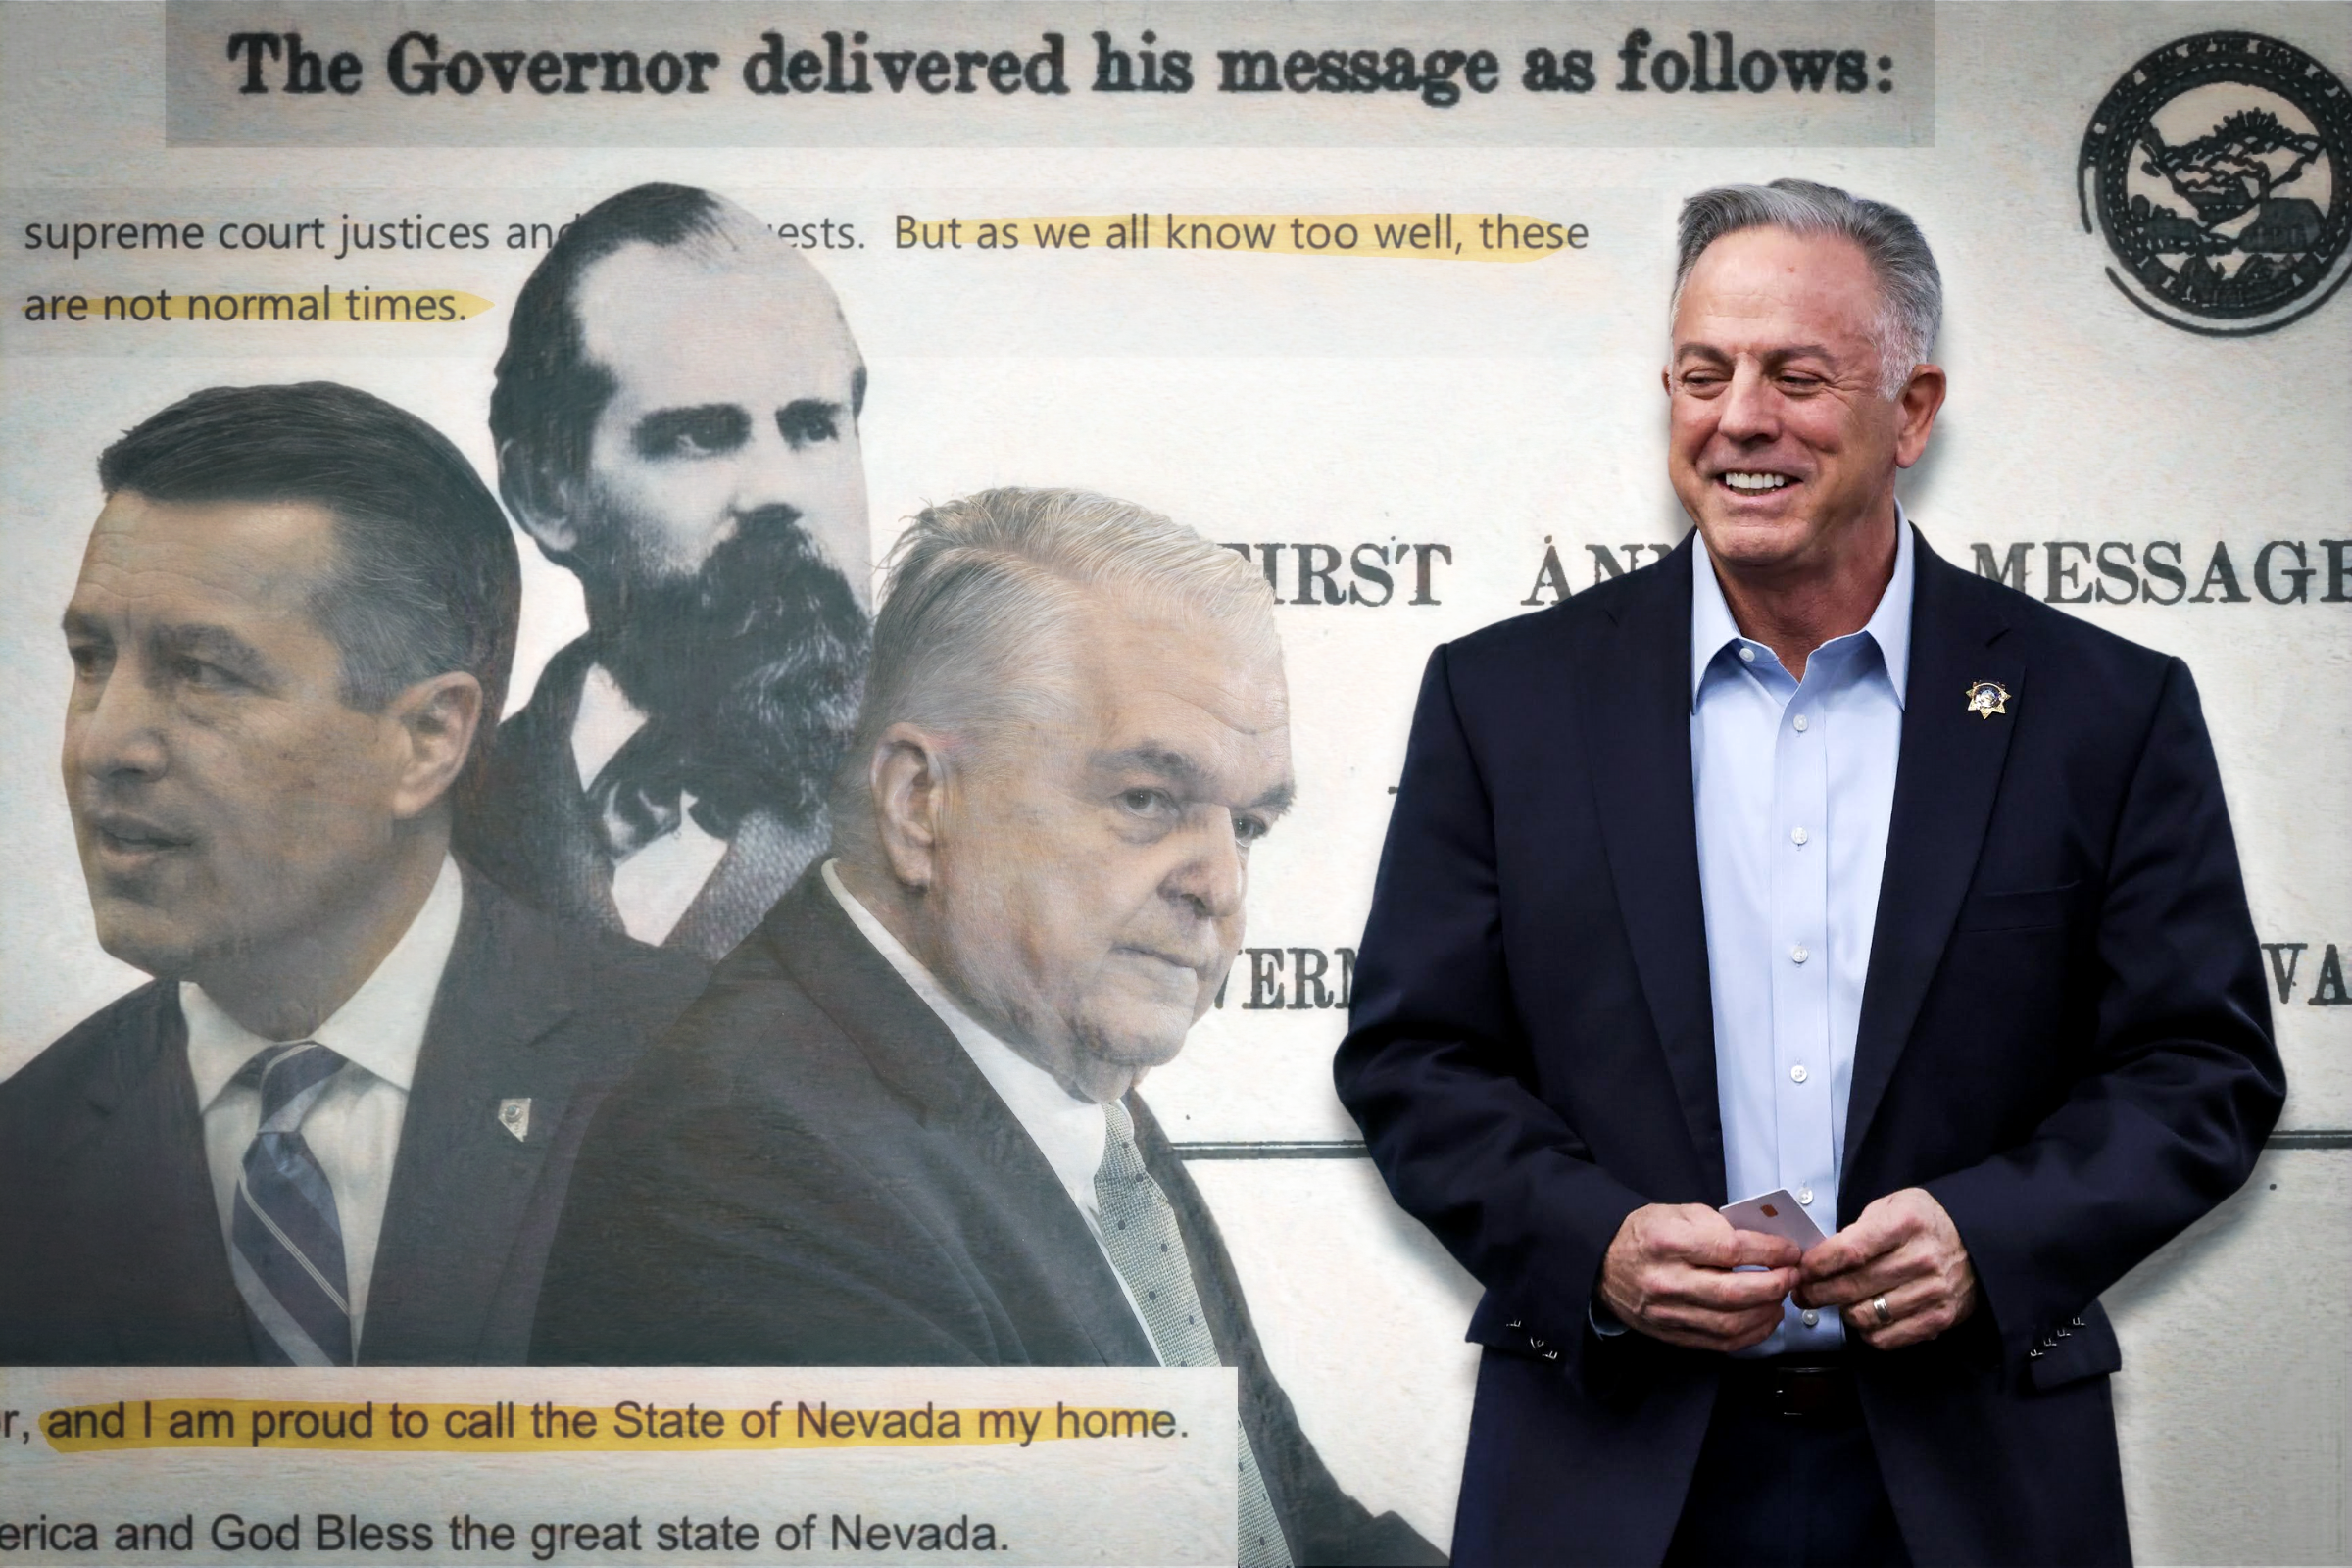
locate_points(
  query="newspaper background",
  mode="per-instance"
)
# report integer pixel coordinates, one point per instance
(1489, 408)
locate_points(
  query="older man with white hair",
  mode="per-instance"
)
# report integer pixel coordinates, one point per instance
(1804, 869)
(900, 1127)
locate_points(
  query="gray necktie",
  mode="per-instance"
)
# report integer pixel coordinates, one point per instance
(287, 1238)
(1139, 1232)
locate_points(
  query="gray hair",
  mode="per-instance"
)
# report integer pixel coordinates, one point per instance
(982, 591)
(1910, 289)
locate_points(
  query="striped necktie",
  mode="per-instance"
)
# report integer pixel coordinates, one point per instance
(1140, 1233)
(286, 1240)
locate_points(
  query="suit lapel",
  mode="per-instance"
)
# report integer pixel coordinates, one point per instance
(1946, 775)
(1636, 688)
(164, 1281)
(463, 1179)
(763, 860)
(528, 827)
(912, 1051)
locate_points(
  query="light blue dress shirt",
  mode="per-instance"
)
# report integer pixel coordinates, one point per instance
(1794, 783)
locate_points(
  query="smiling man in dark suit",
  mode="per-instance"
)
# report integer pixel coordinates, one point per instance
(900, 1127)
(1803, 860)
(337, 1126)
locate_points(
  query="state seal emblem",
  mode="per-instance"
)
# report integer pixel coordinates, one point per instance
(2215, 170)
(1987, 697)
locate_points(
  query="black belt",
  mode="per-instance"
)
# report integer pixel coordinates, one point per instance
(1800, 1388)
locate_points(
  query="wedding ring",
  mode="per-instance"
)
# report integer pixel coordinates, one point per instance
(1878, 1305)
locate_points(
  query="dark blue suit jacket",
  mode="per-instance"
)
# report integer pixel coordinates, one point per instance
(111, 1252)
(810, 1171)
(2064, 1037)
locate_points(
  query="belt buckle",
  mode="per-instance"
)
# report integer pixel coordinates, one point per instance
(1799, 1391)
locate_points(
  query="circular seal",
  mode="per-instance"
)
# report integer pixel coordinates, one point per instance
(2214, 168)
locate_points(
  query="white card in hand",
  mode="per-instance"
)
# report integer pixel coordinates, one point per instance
(1776, 1213)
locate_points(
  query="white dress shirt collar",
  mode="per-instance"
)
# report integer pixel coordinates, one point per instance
(654, 886)
(1069, 1132)
(603, 722)
(1713, 631)
(379, 1028)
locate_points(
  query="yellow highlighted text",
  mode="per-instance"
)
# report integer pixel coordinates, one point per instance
(383, 307)
(630, 1426)
(1428, 236)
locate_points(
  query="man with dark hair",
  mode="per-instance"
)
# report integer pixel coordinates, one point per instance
(337, 1126)
(676, 419)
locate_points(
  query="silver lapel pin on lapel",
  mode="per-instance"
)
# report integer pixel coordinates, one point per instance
(1987, 697)
(514, 1115)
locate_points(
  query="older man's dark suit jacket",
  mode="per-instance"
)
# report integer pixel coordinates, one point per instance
(811, 1171)
(530, 828)
(111, 1252)
(2064, 1037)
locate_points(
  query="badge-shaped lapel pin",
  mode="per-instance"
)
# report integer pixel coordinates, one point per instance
(514, 1115)
(1987, 697)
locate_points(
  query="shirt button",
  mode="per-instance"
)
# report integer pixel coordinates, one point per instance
(1797, 1074)
(1797, 835)
(1799, 954)
(1804, 1195)
(1748, 654)
(1811, 1318)
(1801, 722)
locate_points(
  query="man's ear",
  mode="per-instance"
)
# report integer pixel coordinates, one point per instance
(909, 780)
(541, 504)
(1915, 412)
(436, 720)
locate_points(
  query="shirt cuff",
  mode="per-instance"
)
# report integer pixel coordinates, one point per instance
(1604, 1322)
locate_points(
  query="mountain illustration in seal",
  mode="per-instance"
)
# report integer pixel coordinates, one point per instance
(2284, 223)
(2235, 170)
(2167, 232)
(2214, 168)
